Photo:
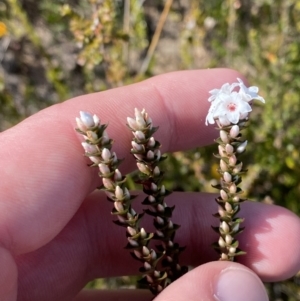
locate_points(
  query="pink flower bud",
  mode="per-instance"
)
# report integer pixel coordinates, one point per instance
(153, 187)
(150, 155)
(89, 148)
(106, 155)
(232, 160)
(227, 177)
(223, 165)
(119, 207)
(232, 188)
(234, 131)
(223, 195)
(137, 147)
(132, 123)
(80, 125)
(119, 193)
(139, 135)
(228, 207)
(146, 251)
(156, 171)
(109, 184)
(151, 142)
(229, 149)
(224, 136)
(131, 231)
(104, 169)
(118, 175)
(143, 168)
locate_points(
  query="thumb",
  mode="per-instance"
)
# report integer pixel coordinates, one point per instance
(216, 281)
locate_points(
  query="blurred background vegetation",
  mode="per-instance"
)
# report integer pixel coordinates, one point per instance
(53, 50)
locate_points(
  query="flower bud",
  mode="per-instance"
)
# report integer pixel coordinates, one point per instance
(132, 123)
(119, 193)
(223, 165)
(147, 266)
(160, 208)
(221, 151)
(221, 242)
(92, 136)
(143, 233)
(143, 168)
(95, 159)
(146, 251)
(236, 227)
(223, 195)
(105, 138)
(224, 226)
(106, 155)
(232, 188)
(232, 160)
(224, 136)
(131, 231)
(159, 233)
(228, 239)
(156, 171)
(157, 154)
(151, 142)
(118, 175)
(151, 199)
(228, 207)
(236, 199)
(109, 184)
(89, 148)
(232, 250)
(132, 242)
(96, 120)
(139, 135)
(159, 220)
(119, 206)
(234, 131)
(150, 155)
(238, 168)
(162, 190)
(229, 149)
(104, 169)
(87, 119)
(80, 125)
(242, 147)
(137, 147)
(227, 177)
(153, 187)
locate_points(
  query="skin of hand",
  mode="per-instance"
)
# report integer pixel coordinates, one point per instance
(57, 234)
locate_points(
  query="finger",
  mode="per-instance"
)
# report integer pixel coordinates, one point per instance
(92, 247)
(114, 295)
(224, 281)
(44, 176)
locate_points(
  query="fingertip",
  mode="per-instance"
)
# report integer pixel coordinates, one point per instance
(221, 281)
(271, 240)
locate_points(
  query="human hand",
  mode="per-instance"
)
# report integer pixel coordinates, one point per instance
(56, 235)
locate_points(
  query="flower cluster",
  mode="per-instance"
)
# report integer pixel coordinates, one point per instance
(229, 106)
(97, 147)
(146, 150)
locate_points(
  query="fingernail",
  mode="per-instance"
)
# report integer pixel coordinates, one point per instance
(236, 284)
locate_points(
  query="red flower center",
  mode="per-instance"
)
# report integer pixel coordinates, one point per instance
(231, 107)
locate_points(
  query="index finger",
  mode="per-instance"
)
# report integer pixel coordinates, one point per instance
(44, 175)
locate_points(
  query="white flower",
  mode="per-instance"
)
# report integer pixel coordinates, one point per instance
(225, 89)
(229, 105)
(230, 109)
(251, 92)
